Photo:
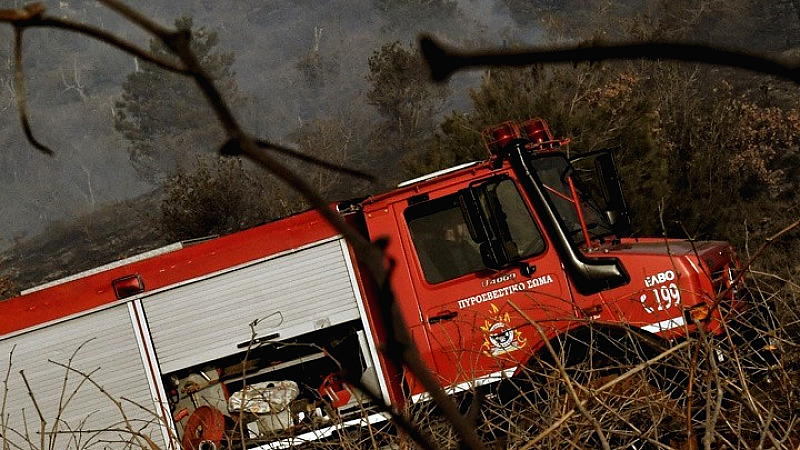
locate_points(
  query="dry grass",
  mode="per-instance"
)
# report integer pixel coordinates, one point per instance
(710, 392)
(605, 390)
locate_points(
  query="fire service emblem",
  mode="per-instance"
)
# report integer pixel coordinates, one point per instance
(498, 336)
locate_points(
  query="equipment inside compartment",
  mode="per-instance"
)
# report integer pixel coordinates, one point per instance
(272, 389)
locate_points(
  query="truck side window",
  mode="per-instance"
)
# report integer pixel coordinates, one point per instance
(443, 242)
(441, 238)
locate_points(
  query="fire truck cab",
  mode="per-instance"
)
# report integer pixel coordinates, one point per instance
(522, 232)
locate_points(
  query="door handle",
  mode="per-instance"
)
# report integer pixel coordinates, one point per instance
(442, 316)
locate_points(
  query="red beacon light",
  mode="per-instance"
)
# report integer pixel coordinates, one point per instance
(538, 132)
(497, 137)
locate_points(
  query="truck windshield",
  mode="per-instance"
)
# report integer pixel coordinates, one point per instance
(442, 240)
(555, 171)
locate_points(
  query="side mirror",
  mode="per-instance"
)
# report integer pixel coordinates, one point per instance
(487, 226)
(477, 223)
(616, 209)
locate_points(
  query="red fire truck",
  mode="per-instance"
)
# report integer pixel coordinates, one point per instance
(252, 331)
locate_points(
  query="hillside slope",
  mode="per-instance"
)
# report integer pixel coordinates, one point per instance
(111, 233)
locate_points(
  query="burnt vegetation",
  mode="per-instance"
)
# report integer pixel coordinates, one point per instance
(706, 152)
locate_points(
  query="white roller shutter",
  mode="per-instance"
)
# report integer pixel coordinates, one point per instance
(289, 294)
(101, 344)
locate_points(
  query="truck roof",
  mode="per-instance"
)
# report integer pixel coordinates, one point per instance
(416, 186)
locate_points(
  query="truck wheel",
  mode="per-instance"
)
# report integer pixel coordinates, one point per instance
(639, 411)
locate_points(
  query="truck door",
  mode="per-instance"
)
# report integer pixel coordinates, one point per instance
(468, 269)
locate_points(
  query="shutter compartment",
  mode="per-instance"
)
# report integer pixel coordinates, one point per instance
(283, 296)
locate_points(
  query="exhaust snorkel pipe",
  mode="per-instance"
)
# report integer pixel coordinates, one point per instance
(590, 276)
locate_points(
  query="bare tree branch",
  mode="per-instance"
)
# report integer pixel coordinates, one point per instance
(19, 20)
(32, 16)
(444, 61)
(19, 84)
(314, 161)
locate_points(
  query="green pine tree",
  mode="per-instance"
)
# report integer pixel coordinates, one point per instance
(406, 99)
(165, 117)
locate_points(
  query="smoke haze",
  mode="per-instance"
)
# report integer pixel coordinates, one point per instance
(72, 83)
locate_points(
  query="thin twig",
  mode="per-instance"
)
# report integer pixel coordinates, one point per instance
(62, 403)
(42, 421)
(137, 18)
(103, 36)
(137, 434)
(746, 266)
(3, 418)
(712, 415)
